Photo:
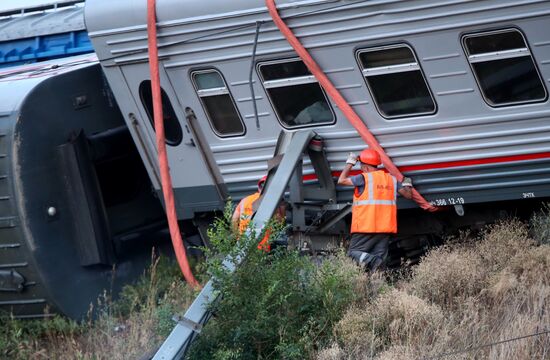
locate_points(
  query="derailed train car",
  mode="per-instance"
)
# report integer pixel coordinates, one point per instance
(454, 91)
(75, 197)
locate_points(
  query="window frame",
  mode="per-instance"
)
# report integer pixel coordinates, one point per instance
(500, 55)
(393, 69)
(213, 92)
(300, 80)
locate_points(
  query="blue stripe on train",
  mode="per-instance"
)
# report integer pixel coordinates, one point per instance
(44, 47)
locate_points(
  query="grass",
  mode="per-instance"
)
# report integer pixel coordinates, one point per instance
(461, 296)
(126, 329)
(470, 292)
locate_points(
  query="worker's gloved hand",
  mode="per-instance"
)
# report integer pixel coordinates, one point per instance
(352, 159)
(407, 182)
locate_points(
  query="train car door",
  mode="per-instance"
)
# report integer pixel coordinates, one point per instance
(196, 187)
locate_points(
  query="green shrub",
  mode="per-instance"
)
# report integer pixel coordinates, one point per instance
(276, 305)
(540, 225)
(19, 338)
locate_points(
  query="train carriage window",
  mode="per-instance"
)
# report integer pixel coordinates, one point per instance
(396, 82)
(504, 67)
(295, 94)
(172, 128)
(218, 103)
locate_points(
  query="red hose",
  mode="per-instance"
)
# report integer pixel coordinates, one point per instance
(166, 180)
(346, 109)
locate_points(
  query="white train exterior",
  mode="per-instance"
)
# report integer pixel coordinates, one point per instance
(454, 91)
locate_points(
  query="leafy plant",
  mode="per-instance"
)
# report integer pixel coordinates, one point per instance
(274, 305)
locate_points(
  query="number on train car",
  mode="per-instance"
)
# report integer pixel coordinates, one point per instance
(448, 201)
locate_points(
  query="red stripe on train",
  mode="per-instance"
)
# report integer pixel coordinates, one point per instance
(452, 164)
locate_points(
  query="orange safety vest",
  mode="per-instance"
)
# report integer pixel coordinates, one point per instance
(246, 208)
(375, 210)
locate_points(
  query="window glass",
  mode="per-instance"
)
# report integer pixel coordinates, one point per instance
(392, 56)
(283, 70)
(396, 82)
(209, 80)
(295, 94)
(504, 68)
(394, 98)
(223, 115)
(494, 42)
(172, 128)
(218, 103)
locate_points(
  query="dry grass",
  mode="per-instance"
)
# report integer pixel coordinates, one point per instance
(448, 276)
(459, 297)
(134, 326)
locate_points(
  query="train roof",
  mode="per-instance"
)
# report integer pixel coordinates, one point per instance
(18, 81)
(101, 18)
(52, 18)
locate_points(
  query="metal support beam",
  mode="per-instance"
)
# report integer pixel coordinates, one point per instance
(179, 340)
(276, 186)
(326, 190)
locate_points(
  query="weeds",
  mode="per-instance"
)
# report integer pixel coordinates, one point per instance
(460, 296)
(281, 305)
(540, 225)
(276, 305)
(126, 329)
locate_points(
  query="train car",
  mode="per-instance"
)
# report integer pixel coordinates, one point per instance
(77, 212)
(39, 32)
(454, 91)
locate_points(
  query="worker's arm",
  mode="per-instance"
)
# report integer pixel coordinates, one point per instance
(280, 212)
(344, 178)
(406, 189)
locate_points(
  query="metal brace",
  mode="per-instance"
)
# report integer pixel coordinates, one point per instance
(188, 323)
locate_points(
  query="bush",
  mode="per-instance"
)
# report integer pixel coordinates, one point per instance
(461, 296)
(447, 277)
(275, 305)
(531, 266)
(20, 339)
(334, 352)
(540, 225)
(134, 325)
(501, 242)
(395, 317)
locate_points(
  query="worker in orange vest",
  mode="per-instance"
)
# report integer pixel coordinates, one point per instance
(246, 208)
(374, 209)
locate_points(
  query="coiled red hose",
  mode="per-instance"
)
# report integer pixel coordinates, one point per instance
(166, 180)
(342, 104)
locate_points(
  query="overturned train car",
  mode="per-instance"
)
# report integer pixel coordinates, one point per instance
(75, 197)
(456, 92)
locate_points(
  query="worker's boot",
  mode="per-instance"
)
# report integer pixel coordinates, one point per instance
(363, 259)
(376, 263)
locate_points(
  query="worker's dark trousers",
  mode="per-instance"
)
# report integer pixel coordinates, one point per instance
(369, 250)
